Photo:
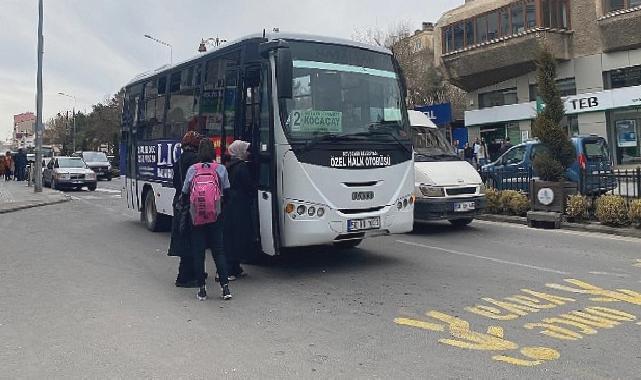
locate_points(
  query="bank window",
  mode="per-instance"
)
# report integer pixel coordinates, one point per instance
(567, 87)
(498, 98)
(481, 29)
(628, 77)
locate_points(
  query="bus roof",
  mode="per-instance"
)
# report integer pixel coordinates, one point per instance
(268, 37)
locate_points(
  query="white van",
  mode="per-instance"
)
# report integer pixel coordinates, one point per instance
(447, 188)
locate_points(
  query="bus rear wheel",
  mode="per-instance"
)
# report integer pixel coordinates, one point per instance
(347, 244)
(153, 221)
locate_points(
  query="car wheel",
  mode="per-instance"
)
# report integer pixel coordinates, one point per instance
(108, 177)
(348, 244)
(153, 221)
(461, 222)
(92, 187)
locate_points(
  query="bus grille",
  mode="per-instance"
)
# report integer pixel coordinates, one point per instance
(360, 210)
(461, 191)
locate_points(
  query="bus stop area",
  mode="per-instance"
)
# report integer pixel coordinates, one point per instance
(16, 196)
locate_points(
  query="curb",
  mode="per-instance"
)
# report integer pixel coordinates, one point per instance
(18, 206)
(591, 227)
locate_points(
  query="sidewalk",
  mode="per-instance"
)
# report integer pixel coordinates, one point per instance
(16, 196)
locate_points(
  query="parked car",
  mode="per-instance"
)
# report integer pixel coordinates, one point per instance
(513, 170)
(69, 172)
(98, 162)
(447, 187)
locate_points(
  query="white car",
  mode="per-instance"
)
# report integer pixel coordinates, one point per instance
(447, 188)
(69, 172)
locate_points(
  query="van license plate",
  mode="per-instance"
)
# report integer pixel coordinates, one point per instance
(464, 206)
(354, 225)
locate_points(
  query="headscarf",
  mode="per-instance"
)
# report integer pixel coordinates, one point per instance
(191, 140)
(238, 149)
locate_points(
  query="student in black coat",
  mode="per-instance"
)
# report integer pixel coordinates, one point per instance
(240, 234)
(180, 243)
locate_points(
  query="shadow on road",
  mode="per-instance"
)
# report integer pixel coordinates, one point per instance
(441, 229)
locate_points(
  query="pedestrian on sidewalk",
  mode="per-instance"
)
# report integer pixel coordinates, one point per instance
(9, 166)
(2, 166)
(240, 233)
(180, 243)
(21, 162)
(209, 180)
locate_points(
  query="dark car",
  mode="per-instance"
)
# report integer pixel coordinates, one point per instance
(592, 168)
(98, 162)
(69, 172)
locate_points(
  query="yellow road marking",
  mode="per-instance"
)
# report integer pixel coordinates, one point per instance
(638, 263)
(420, 324)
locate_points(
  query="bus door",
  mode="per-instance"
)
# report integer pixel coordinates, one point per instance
(131, 178)
(263, 149)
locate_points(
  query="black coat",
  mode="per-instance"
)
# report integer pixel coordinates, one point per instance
(239, 211)
(20, 159)
(180, 242)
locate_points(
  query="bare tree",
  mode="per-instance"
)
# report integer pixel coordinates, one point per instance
(426, 83)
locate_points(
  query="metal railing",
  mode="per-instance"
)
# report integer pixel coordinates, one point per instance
(625, 183)
(508, 179)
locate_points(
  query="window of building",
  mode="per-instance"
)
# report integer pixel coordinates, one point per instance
(506, 30)
(469, 33)
(459, 36)
(614, 5)
(481, 29)
(447, 40)
(492, 25)
(567, 87)
(572, 125)
(555, 14)
(530, 14)
(498, 98)
(518, 18)
(627, 77)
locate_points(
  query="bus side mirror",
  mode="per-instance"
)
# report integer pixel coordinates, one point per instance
(284, 73)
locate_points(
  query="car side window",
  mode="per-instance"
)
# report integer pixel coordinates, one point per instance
(515, 155)
(539, 149)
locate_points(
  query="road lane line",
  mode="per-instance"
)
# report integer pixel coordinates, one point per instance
(595, 235)
(107, 190)
(495, 260)
(622, 275)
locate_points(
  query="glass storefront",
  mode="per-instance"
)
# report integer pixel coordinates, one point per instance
(624, 128)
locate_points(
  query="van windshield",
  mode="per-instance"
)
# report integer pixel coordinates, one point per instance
(430, 144)
(94, 157)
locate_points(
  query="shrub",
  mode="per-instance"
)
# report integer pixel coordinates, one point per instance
(577, 207)
(635, 212)
(513, 202)
(493, 198)
(547, 168)
(611, 210)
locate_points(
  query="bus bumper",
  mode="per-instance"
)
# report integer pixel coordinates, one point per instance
(302, 230)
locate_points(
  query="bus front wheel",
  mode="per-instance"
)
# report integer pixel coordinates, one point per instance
(347, 244)
(153, 221)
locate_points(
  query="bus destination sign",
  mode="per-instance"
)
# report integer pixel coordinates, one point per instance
(360, 159)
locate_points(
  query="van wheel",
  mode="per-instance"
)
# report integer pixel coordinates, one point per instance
(347, 244)
(149, 215)
(461, 222)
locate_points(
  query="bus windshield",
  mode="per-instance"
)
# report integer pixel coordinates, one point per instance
(431, 145)
(341, 91)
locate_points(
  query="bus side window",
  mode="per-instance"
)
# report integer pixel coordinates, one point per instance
(153, 115)
(264, 127)
(183, 102)
(252, 83)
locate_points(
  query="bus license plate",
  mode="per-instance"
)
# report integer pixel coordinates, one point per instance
(464, 206)
(363, 224)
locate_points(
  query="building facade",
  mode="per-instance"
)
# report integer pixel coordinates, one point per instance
(489, 48)
(23, 130)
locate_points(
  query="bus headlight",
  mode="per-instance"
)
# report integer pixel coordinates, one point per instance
(432, 192)
(320, 212)
(311, 211)
(301, 210)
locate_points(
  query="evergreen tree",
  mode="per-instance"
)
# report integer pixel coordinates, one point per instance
(547, 125)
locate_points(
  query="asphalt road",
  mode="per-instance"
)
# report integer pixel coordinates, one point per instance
(88, 292)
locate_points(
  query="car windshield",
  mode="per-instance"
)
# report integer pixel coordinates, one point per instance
(431, 145)
(94, 157)
(340, 91)
(70, 162)
(596, 149)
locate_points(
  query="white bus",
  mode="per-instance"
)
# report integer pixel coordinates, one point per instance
(328, 128)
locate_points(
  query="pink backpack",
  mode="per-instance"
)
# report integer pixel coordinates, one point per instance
(205, 194)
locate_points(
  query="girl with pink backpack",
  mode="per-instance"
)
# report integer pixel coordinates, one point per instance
(204, 185)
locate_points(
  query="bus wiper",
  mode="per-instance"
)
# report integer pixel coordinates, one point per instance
(382, 132)
(332, 138)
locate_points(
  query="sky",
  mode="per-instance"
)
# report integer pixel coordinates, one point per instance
(94, 47)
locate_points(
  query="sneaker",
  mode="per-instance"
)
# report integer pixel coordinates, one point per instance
(231, 277)
(202, 294)
(226, 293)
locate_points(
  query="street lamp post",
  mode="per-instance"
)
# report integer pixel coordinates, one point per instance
(171, 48)
(39, 129)
(213, 41)
(73, 117)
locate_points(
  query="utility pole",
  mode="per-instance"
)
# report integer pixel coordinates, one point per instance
(37, 172)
